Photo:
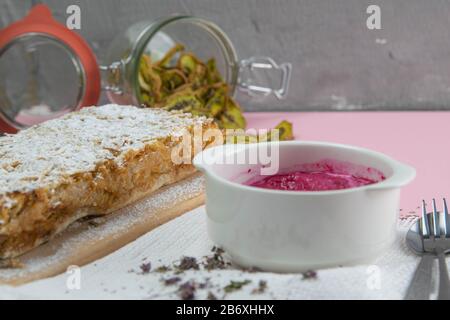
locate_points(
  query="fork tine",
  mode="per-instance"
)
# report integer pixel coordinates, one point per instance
(445, 218)
(425, 223)
(436, 227)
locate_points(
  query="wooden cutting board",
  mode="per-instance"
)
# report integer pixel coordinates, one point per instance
(89, 240)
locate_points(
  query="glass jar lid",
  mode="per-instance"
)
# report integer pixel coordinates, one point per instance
(50, 71)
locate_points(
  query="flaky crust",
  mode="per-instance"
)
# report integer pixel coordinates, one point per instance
(39, 214)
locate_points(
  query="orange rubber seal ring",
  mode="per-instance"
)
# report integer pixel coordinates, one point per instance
(40, 20)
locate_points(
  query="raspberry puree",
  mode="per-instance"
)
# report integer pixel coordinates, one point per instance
(319, 176)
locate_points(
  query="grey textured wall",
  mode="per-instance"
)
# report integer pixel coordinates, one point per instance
(338, 63)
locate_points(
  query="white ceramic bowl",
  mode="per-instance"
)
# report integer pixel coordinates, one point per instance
(290, 231)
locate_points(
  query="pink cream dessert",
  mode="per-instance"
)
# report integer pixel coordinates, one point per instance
(320, 176)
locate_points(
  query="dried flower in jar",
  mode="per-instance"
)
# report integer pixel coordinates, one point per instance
(181, 81)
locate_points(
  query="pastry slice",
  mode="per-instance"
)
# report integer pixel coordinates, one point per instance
(90, 162)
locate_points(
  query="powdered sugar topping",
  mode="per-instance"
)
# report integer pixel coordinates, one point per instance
(44, 154)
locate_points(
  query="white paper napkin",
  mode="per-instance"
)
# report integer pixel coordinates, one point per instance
(119, 276)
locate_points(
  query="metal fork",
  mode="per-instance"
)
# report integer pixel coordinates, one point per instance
(437, 241)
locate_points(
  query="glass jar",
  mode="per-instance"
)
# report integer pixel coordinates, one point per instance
(200, 36)
(47, 70)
